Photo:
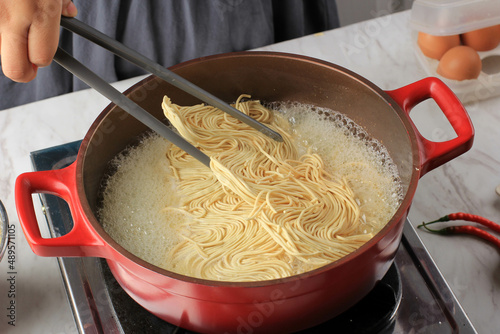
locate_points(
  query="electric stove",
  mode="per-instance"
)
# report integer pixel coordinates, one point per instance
(413, 297)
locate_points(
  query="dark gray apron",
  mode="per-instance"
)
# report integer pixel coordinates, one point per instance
(169, 32)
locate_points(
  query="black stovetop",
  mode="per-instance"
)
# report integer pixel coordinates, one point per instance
(413, 297)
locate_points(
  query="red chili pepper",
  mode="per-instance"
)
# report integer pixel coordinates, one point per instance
(464, 229)
(468, 217)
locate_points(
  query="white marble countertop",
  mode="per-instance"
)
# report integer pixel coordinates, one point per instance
(380, 50)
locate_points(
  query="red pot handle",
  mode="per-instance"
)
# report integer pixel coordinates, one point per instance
(82, 240)
(434, 154)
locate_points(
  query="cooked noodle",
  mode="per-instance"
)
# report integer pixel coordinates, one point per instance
(262, 211)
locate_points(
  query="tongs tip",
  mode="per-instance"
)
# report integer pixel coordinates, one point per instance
(273, 135)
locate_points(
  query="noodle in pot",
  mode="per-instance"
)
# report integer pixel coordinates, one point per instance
(264, 209)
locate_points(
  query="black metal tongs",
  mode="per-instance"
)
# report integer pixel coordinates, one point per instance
(100, 85)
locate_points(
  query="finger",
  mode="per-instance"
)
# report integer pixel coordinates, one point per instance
(43, 36)
(68, 8)
(15, 63)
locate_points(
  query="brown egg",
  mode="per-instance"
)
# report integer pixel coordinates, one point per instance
(460, 63)
(482, 39)
(435, 46)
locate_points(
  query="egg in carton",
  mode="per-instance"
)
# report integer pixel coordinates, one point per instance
(459, 42)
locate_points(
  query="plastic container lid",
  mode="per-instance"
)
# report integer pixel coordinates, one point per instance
(453, 17)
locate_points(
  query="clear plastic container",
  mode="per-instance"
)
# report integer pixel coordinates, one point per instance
(453, 17)
(4, 225)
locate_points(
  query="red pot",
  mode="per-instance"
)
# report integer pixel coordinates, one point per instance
(281, 305)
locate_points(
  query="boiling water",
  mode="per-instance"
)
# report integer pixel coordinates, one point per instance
(348, 150)
(135, 196)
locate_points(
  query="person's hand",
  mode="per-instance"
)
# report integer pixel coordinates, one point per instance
(29, 35)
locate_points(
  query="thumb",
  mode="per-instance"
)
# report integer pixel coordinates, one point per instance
(68, 8)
